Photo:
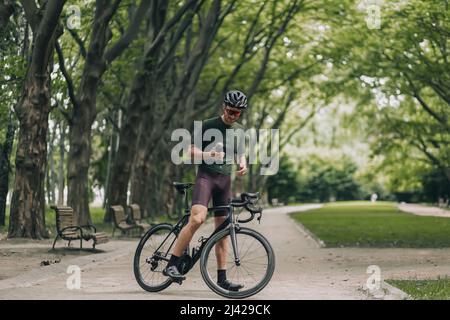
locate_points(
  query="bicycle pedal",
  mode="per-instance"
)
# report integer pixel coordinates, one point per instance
(180, 282)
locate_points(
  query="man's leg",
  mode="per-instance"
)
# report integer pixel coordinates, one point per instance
(222, 246)
(221, 196)
(199, 210)
(222, 249)
(198, 216)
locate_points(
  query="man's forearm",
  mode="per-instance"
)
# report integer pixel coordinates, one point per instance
(196, 153)
(241, 159)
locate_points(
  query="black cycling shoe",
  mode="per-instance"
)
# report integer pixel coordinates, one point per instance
(173, 273)
(227, 285)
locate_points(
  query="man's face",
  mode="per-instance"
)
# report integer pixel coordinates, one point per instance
(231, 114)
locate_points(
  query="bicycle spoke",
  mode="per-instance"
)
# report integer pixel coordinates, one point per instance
(253, 258)
(249, 273)
(242, 256)
(146, 273)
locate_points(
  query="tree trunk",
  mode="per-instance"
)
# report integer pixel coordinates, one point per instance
(447, 173)
(50, 172)
(121, 170)
(62, 152)
(5, 168)
(150, 182)
(28, 201)
(113, 141)
(78, 164)
(140, 185)
(84, 113)
(48, 179)
(155, 189)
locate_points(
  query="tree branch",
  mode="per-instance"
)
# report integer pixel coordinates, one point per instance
(64, 112)
(44, 33)
(79, 41)
(269, 45)
(164, 65)
(6, 11)
(31, 13)
(424, 104)
(70, 86)
(130, 34)
(156, 44)
(298, 128)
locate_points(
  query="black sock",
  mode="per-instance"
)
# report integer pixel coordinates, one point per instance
(221, 275)
(173, 261)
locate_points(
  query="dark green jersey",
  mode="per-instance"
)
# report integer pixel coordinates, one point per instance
(213, 136)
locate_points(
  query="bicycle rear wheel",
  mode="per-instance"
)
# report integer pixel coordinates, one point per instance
(256, 267)
(151, 258)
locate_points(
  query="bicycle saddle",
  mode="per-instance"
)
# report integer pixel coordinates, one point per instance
(181, 187)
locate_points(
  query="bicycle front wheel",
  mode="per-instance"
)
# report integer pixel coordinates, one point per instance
(254, 269)
(151, 257)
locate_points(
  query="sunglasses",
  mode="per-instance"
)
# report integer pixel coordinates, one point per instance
(233, 112)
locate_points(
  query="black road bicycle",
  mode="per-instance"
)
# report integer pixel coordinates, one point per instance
(250, 258)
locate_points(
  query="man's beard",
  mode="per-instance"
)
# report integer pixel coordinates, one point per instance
(229, 119)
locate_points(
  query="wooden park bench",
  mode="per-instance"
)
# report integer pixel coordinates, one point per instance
(135, 211)
(67, 229)
(277, 203)
(120, 220)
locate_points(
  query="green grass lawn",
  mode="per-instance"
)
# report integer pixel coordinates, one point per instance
(424, 289)
(380, 224)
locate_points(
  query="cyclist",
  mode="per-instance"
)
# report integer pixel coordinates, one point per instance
(213, 181)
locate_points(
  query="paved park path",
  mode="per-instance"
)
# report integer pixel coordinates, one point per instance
(304, 269)
(422, 210)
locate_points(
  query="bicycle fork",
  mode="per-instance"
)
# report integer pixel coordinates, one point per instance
(233, 237)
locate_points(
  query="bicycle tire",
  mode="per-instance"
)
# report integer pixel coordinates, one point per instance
(138, 274)
(207, 251)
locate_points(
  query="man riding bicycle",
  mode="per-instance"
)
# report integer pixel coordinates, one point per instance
(213, 181)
